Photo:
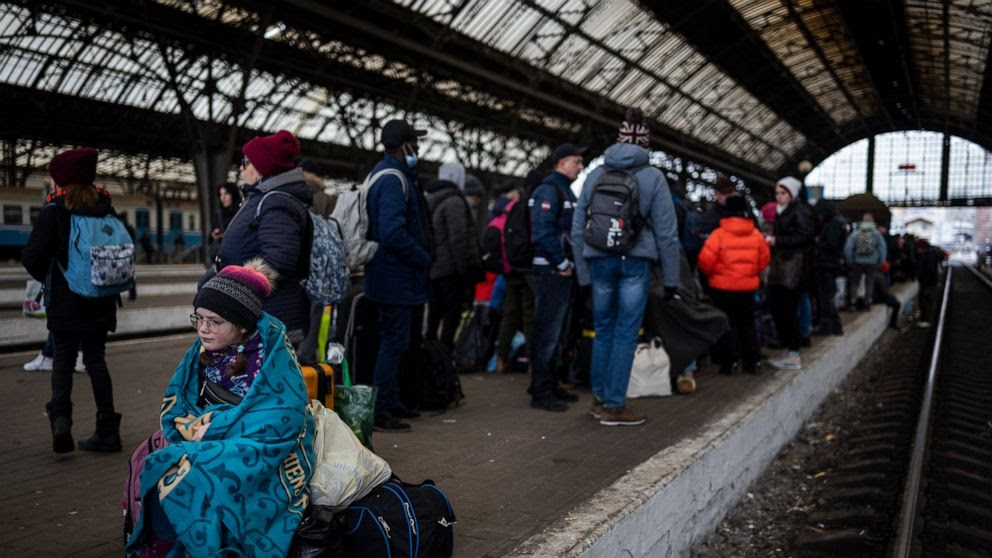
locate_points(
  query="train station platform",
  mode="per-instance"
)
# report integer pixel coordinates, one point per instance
(523, 482)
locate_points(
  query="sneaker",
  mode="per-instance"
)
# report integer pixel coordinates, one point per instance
(787, 362)
(80, 367)
(563, 395)
(40, 363)
(597, 409)
(622, 416)
(552, 404)
(390, 424)
(685, 383)
(922, 325)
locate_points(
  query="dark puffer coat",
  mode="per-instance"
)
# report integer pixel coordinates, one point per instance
(455, 239)
(830, 238)
(48, 244)
(794, 234)
(280, 237)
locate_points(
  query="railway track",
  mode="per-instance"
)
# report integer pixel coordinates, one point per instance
(917, 479)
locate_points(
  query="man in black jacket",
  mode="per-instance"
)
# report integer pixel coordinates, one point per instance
(828, 254)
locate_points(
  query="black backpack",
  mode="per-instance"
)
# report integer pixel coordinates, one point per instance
(613, 220)
(440, 386)
(400, 519)
(516, 232)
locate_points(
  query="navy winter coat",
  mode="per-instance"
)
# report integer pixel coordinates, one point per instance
(551, 220)
(399, 273)
(48, 244)
(280, 237)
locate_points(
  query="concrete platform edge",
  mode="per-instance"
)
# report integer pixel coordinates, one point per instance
(662, 506)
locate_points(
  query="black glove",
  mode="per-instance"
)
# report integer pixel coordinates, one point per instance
(670, 292)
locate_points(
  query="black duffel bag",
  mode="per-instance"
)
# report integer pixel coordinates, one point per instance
(400, 519)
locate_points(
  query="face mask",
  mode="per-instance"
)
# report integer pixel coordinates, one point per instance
(411, 156)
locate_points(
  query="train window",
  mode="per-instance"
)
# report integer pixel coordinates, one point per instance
(192, 222)
(33, 212)
(13, 215)
(141, 218)
(175, 221)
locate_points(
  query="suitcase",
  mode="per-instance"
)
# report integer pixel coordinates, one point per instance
(320, 383)
(360, 337)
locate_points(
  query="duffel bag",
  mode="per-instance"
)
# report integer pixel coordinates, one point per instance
(400, 519)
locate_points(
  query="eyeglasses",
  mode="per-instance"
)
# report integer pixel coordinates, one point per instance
(213, 326)
(245, 162)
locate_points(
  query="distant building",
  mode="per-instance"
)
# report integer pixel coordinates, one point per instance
(920, 227)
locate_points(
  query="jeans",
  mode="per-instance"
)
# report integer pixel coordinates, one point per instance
(619, 295)
(868, 272)
(826, 289)
(448, 296)
(394, 338)
(805, 315)
(94, 346)
(517, 313)
(552, 296)
(739, 308)
(49, 349)
(785, 310)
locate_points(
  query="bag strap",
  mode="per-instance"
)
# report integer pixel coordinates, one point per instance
(372, 178)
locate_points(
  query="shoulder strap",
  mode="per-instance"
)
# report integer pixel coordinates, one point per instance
(258, 209)
(372, 178)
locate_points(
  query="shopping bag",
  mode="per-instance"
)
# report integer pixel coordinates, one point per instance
(34, 300)
(355, 404)
(344, 469)
(649, 373)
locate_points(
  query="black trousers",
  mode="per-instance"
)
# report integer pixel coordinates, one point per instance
(739, 308)
(447, 301)
(785, 306)
(93, 344)
(826, 289)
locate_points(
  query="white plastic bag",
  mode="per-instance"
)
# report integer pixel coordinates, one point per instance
(649, 376)
(34, 302)
(344, 470)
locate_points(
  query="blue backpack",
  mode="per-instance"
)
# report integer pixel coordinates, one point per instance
(101, 257)
(328, 274)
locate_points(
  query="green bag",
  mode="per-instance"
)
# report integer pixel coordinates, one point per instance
(356, 407)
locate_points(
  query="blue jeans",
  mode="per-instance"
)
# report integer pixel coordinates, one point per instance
(619, 294)
(552, 297)
(394, 338)
(805, 315)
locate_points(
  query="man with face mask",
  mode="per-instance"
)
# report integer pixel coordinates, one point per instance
(397, 278)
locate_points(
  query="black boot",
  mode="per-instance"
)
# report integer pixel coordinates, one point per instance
(60, 417)
(108, 434)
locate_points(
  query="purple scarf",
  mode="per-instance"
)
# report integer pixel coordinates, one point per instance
(219, 360)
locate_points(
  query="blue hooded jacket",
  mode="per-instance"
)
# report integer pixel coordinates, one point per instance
(551, 220)
(399, 273)
(659, 240)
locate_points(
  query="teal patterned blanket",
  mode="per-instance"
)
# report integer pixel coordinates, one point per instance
(239, 487)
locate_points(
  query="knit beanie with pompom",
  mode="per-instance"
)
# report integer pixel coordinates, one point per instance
(632, 129)
(236, 292)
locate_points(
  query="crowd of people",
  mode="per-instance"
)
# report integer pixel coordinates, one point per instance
(628, 235)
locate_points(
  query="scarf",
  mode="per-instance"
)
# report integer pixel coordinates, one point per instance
(241, 489)
(239, 385)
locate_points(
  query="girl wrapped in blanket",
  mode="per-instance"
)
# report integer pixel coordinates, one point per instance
(233, 477)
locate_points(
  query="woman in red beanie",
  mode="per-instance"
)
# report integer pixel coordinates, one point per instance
(74, 320)
(272, 224)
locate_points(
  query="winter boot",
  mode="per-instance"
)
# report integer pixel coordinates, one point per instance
(107, 436)
(60, 417)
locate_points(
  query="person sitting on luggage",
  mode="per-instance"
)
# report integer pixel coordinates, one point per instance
(233, 477)
(733, 258)
(621, 279)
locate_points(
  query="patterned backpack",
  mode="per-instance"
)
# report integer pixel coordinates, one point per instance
(101, 257)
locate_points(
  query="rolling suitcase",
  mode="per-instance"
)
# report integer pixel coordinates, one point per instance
(319, 379)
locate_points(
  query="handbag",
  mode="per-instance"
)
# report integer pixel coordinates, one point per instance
(786, 271)
(649, 375)
(214, 394)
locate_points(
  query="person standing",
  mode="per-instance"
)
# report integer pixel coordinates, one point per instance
(620, 280)
(275, 230)
(791, 241)
(733, 258)
(397, 279)
(551, 206)
(828, 257)
(74, 320)
(865, 250)
(927, 270)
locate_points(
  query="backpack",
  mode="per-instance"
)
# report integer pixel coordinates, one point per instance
(101, 257)
(516, 233)
(612, 218)
(327, 273)
(400, 519)
(440, 386)
(689, 218)
(477, 339)
(131, 501)
(864, 243)
(493, 247)
(352, 212)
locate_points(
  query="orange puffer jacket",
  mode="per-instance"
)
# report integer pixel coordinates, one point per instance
(734, 255)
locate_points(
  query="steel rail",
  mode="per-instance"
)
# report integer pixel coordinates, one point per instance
(905, 528)
(981, 276)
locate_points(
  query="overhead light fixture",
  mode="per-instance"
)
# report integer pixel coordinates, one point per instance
(275, 30)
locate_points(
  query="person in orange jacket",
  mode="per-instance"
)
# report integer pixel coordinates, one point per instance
(732, 258)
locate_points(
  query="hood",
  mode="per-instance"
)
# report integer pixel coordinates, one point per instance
(292, 182)
(441, 190)
(737, 226)
(626, 155)
(825, 210)
(439, 186)
(866, 226)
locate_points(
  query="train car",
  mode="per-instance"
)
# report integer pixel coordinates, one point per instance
(179, 231)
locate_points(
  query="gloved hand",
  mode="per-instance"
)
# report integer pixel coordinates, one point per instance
(670, 292)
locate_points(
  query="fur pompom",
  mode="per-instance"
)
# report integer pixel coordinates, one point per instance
(258, 275)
